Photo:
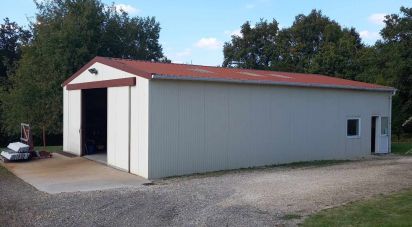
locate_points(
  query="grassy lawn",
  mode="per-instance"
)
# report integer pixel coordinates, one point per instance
(49, 148)
(393, 210)
(3, 171)
(402, 148)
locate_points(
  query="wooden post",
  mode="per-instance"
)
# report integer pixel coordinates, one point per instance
(44, 138)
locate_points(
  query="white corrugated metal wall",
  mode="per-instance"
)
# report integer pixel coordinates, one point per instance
(203, 126)
(139, 142)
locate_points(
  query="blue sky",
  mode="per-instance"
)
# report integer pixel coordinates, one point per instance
(194, 31)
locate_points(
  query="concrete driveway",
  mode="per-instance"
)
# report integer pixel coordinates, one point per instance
(70, 174)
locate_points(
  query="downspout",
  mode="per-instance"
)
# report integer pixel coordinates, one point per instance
(130, 132)
(390, 122)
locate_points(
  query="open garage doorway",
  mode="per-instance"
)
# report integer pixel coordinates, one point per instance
(94, 124)
(373, 134)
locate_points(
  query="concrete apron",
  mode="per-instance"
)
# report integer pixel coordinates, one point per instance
(64, 174)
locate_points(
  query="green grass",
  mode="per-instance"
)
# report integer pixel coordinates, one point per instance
(393, 210)
(291, 216)
(402, 148)
(49, 148)
(3, 170)
(405, 137)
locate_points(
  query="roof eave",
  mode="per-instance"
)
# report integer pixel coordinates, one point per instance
(312, 85)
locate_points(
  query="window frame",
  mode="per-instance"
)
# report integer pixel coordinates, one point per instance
(359, 128)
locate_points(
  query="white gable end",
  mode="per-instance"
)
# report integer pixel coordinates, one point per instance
(104, 72)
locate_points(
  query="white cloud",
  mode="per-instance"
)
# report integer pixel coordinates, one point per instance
(377, 18)
(208, 43)
(234, 32)
(126, 8)
(186, 52)
(369, 36)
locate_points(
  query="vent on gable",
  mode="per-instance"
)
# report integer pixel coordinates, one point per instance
(200, 70)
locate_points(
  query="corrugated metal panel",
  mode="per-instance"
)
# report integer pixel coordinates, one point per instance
(118, 127)
(72, 121)
(163, 120)
(198, 127)
(65, 120)
(139, 144)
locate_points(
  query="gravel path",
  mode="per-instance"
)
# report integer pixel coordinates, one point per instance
(238, 198)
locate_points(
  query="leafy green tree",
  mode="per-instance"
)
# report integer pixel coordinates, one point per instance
(66, 35)
(395, 63)
(131, 38)
(64, 38)
(12, 38)
(255, 49)
(338, 58)
(314, 43)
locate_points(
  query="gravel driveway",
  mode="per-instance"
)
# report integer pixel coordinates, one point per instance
(238, 198)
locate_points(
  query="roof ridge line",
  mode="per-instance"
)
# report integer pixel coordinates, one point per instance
(209, 66)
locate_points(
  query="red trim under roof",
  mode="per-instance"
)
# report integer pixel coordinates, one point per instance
(155, 70)
(131, 81)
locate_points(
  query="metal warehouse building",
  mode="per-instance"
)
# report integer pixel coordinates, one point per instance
(158, 119)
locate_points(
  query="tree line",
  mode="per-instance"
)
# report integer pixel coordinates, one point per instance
(66, 34)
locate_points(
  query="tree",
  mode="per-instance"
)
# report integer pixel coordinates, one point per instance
(12, 38)
(395, 63)
(314, 43)
(66, 35)
(256, 48)
(338, 58)
(131, 38)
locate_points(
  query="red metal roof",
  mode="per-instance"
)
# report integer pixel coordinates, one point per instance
(154, 70)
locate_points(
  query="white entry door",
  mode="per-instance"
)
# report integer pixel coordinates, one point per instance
(383, 135)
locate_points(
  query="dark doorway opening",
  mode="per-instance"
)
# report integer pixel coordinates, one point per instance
(94, 123)
(373, 133)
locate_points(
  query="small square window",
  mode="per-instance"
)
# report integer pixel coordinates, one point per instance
(352, 128)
